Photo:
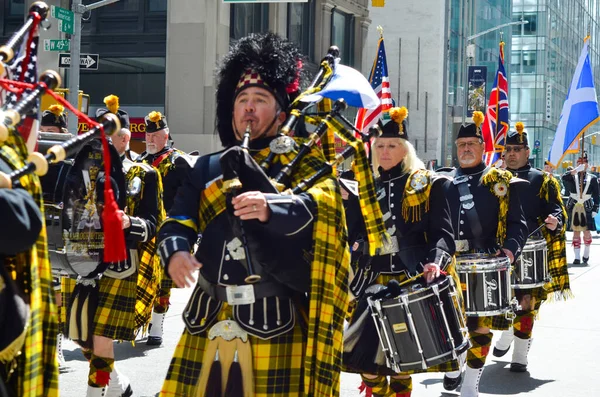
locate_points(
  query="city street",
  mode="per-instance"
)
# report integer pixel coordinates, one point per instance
(563, 360)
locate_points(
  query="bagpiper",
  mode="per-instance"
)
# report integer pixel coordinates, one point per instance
(582, 189)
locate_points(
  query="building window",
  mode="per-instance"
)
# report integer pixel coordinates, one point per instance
(529, 29)
(157, 5)
(140, 80)
(342, 35)
(248, 18)
(16, 8)
(300, 27)
(523, 61)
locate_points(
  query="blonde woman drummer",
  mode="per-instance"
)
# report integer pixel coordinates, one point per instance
(417, 218)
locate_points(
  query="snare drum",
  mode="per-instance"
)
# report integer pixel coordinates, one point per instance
(485, 282)
(531, 268)
(422, 327)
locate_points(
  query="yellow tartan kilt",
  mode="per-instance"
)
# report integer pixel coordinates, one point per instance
(277, 365)
(148, 284)
(115, 315)
(67, 285)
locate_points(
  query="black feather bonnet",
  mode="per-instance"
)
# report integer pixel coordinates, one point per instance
(276, 61)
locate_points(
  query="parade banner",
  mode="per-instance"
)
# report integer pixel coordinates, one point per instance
(477, 89)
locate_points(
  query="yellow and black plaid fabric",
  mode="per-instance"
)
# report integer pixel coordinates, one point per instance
(67, 285)
(36, 372)
(500, 322)
(480, 348)
(498, 182)
(329, 273)
(416, 195)
(277, 364)
(150, 271)
(115, 315)
(559, 288)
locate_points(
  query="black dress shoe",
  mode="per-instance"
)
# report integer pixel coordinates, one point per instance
(452, 383)
(499, 353)
(585, 260)
(128, 392)
(516, 367)
(154, 341)
(576, 262)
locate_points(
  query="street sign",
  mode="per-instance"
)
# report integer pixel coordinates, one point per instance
(65, 18)
(57, 45)
(537, 144)
(86, 61)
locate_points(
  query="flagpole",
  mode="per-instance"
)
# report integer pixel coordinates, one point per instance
(583, 134)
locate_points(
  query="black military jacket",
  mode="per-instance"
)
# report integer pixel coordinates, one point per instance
(291, 222)
(536, 208)
(21, 218)
(173, 168)
(487, 207)
(593, 203)
(429, 240)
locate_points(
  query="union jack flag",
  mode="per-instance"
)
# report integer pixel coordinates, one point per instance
(380, 82)
(495, 125)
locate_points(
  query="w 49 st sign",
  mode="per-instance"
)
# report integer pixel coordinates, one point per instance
(86, 61)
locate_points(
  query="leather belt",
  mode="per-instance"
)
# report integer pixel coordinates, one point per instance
(261, 290)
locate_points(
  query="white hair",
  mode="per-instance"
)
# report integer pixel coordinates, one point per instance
(411, 162)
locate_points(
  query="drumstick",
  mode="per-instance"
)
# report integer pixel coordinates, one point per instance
(410, 279)
(536, 230)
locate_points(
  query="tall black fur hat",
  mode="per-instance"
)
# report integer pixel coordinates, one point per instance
(264, 60)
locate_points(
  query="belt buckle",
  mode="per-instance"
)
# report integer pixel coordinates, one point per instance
(460, 179)
(462, 245)
(240, 294)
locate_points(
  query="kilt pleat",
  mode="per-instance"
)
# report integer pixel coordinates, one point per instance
(115, 315)
(277, 365)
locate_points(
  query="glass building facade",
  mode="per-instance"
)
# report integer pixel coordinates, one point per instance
(544, 55)
(468, 18)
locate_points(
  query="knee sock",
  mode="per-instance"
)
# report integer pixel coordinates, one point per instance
(100, 369)
(402, 387)
(586, 247)
(523, 324)
(480, 347)
(379, 386)
(577, 247)
(161, 304)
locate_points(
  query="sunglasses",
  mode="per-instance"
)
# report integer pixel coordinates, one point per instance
(516, 149)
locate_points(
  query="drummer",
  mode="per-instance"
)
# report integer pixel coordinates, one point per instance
(542, 206)
(417, 218)
(487, 219)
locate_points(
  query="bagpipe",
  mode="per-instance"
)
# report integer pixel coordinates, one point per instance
(73, 208)
(242, 173)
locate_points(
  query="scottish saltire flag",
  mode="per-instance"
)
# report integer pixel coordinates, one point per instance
(381, 85)
(495, 123)
(349, 84)
(579, 111)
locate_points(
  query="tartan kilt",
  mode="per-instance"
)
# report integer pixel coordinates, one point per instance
(277, 365)
(148, 284)
(67, 285)
(448, 366)
(499, 322)
(115, 315)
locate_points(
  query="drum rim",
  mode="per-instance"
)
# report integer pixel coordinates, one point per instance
(396, 300)
(533, 243)
(487, 313)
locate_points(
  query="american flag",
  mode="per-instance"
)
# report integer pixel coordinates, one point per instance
(24, 69)
(381, 85)
(495, 124)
